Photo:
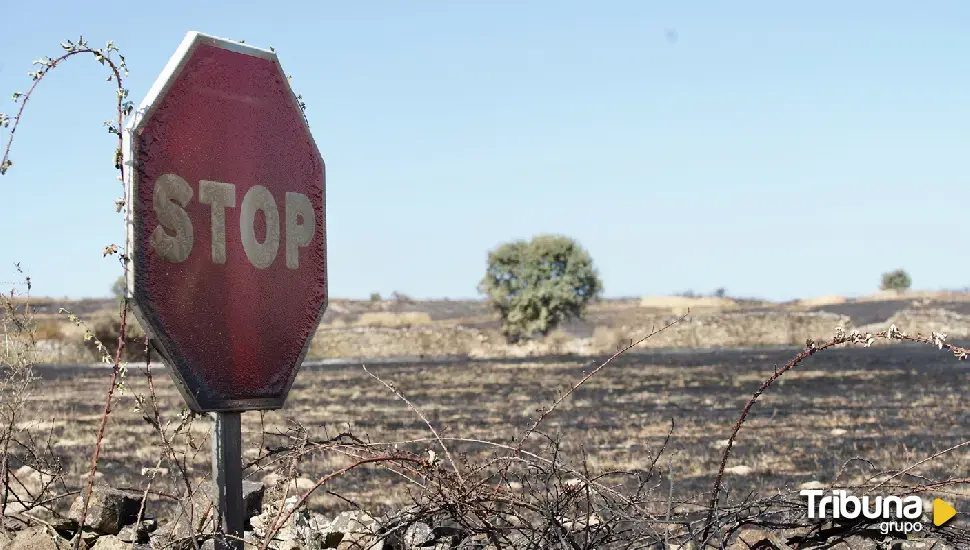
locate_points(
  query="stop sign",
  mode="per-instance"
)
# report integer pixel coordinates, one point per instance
(226, 224)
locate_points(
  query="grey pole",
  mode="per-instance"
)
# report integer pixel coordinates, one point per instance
(227, 472)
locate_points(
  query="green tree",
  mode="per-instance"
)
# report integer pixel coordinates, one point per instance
(108, 330)
(895, 280)
(119, 288)
(536, 285)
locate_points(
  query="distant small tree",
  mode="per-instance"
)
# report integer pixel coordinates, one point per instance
(720, 292)
(119, 289)
(107, 331)
(375, 296)
(536, 285)
(895, 280)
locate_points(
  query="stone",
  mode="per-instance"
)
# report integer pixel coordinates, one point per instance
(108, 510)
(31, 480)
(149, 524)
(759, 538)
(253, 492)
(89, 536)
(448, 531)
(65, 527)
(476, 542)
(271, 479)
(416, 527)
(65, 544)
(360, 542)
(358, 529)
(110, 542)
(27, 485)
(417, 534)
(159, 540)
(313, 531)
(137, 533)
(199, 508)
(178, 528)
(856, 542)
(351, 522)
(580, 524)
(289, 535)
(518, 539)
(919, 544)
(129, 533)
(34, 538)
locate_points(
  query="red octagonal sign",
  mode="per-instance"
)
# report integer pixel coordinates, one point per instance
(226, 225)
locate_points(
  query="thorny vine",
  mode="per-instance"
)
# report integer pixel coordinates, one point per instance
(111, 57)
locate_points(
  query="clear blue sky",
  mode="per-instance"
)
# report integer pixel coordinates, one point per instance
(774, 150)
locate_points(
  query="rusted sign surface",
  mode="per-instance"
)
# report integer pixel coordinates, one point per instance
(226, 224)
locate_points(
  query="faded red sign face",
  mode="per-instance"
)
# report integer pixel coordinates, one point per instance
(227, 228)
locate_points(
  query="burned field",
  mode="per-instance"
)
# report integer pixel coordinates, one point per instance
(848, 412)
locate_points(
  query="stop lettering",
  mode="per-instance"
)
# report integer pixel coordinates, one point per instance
(174, 236)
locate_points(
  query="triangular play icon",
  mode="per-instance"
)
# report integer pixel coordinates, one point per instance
(942, 512)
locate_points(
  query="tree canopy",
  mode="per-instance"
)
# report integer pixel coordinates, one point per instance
(536, 285)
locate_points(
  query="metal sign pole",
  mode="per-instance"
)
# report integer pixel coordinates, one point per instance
(227, 472)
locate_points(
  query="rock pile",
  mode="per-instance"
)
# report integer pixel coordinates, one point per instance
(112, 522)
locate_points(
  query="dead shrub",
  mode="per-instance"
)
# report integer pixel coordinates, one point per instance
(108, 331)
(609, 339)
(48, 329)
(338, 323)
(384, 319)
(556, 341)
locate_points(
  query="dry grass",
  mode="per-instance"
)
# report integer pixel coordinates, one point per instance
(927, 321)
(394, 320)
(701, 331)
(679, 304)
(947, 295)
(614, 421)
(819, 301)
(383, 320)
(609, 338)
(557, 342)
(48, 329)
